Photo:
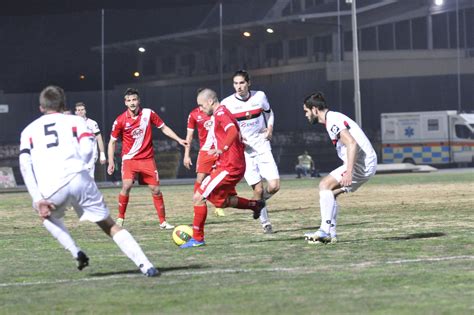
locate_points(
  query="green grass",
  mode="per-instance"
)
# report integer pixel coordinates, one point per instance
(406, 247)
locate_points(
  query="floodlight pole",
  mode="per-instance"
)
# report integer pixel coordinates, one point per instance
(458, 58)
(355, 56)
(221, 54)
(102, 58)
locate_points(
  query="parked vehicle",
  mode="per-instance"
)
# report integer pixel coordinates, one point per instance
(436, 137)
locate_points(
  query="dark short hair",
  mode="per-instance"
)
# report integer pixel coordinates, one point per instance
(131, 91)
(316, 99)
(53, 98)
(80, 104)
(242, 73)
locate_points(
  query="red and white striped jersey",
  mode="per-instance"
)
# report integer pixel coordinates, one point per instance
(53, 149)
(250, 115)
(136, 133)
(199, 120)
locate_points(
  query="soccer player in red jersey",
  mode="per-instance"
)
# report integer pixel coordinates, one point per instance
(219, 187)
(134, 126)
(199, 120)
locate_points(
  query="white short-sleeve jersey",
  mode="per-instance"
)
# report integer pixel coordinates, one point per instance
(94, 129)
(250, 115)
(53, 149)
(335, 123)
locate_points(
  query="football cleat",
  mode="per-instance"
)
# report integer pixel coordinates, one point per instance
(152, 272)
(318, 236)
(82, 260)
(120, 221)
(219, 212)
(267, 229)
(166, 226)
(260, 205)
(193, 243)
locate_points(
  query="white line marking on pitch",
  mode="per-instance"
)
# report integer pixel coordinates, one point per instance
(223, 271)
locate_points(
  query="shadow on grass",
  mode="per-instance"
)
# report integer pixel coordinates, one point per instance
(136, 271)
(295, 238)
(415, 236)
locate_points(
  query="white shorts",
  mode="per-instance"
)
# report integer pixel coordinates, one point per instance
(81, 193)
(260, 166)
(360, 175)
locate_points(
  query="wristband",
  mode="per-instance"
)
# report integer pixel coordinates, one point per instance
(102, 156)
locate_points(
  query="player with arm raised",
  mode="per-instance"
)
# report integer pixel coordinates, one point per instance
(255, 117)
(134, 126)
(55, 151)
(353, 148)
(94, 129)
(219, 187)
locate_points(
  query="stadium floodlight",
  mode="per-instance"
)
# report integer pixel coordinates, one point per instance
(141, 49)
(270, 30)
(438, 2)
(136, 74)
(247, 34)
(82, 77)
(348, 1)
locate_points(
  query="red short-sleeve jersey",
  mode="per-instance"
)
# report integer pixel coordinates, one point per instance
(199, 120)
(233, 159)
(136, 133)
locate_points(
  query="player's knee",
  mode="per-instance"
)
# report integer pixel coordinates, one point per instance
(155, 190)
(273, 188)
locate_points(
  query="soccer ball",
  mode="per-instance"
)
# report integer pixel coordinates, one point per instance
(182, 234)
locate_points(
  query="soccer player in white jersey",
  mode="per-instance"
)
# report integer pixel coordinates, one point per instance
(255, 117)
(359, 162)
(55, 150)
(94, 129)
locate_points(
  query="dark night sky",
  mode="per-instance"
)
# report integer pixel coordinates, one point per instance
(49, 42)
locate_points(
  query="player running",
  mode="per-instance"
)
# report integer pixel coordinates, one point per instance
(55, 152)
(199, 120)
(359, 162)
(255, 117)
(219, 187)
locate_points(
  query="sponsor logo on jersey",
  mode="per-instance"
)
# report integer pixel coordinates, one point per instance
(137, 133)
(208, 124)
(335, 129)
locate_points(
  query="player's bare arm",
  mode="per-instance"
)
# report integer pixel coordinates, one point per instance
(111, 153)
(171, 134)
(187, 149)
(100, 143)
(351, 146)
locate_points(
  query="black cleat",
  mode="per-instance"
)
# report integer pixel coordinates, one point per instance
(152, 272)
(82, 260)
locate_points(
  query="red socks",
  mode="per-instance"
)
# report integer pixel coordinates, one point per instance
(200, 214)
(243, 203)
(122, 205)
(160, 207)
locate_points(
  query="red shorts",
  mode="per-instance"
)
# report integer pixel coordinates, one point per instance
(218, 186)
(205, 162)
(145, 169)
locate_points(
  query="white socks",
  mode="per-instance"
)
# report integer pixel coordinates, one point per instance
(264, 220)
(326, 203)
(130, 247)
(332, 229)
(57, 228)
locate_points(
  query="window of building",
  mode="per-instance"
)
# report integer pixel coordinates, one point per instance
(440, 30)
(469, 27)
(298, 47)
(419, 31)
(368, 38)
(386, 36)
(452, 30)
(402, 35)
(274, 50)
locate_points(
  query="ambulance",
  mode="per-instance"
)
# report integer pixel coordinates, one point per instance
(435, 137)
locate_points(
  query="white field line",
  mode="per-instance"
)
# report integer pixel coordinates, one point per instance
(238, 270)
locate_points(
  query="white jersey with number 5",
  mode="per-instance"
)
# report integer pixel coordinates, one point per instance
(250, 115)
(53, 149)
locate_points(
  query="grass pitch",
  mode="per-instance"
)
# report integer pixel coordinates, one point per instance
(405, 247)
